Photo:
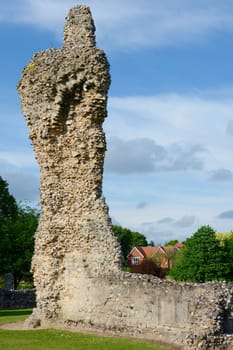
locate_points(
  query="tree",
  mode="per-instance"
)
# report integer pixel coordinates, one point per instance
(8, 213)
(172, 242)
(8, 205)
(227, 245)
(202, 258)
(22, 231)
(17, 228)
(128, 239)
(222, 237)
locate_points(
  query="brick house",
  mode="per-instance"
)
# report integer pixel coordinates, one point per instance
(164, 256)
(152, 260)
(138, 261)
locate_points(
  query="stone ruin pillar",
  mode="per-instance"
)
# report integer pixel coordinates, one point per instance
(63, 96)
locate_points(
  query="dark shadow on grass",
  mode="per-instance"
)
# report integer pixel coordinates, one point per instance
(15, 312)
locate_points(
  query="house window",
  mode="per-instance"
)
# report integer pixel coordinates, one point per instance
(135, 260)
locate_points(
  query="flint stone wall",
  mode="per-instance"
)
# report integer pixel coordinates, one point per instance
(17, 299)
(76, 265)
(186, 314)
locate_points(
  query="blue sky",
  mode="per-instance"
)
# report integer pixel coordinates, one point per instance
(169, 164)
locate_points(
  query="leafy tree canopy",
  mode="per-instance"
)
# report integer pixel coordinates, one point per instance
(8, 205)
(172, 242)
(17, 228)
(128, 239)
(223, 236)
(203, 258)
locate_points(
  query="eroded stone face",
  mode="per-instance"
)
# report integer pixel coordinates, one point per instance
(63, 96)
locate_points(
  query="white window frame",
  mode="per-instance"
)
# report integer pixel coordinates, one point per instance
(135, 260)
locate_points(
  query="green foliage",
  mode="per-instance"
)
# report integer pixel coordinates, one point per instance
(203, 258)
(128, 239)
(14, 315)
(1, 281)
(26, 282)
(222, 237)
(17, 228)
(23, 230)
(8, 205)
(172, 242)
(227, 246)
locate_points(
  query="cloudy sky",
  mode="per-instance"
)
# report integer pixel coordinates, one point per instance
(169, 165)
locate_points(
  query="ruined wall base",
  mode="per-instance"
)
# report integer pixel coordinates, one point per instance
(194, 316)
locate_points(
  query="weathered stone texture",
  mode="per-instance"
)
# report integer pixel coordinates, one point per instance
(63, 95)
(76, 265)
(194, 316)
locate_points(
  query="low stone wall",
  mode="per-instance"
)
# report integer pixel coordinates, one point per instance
(192, 315)
(17, 299)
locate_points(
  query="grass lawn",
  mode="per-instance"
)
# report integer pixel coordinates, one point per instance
(51, 339)
(11, 316)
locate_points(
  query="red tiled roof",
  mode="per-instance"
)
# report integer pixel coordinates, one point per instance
(147, 251)
(170, 248)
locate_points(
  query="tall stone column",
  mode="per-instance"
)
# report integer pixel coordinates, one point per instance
(63, 96)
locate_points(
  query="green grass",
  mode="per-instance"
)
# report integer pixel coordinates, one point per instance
(62, 340)
(51, 339)
(11, 316)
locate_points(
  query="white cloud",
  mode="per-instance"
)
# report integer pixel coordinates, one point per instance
(137, 155)
(229, 128)
(131, 23)
(182, 157)
(166, 220)
(191, 128)
(185, 221)
(45, 14)
(143, 155)
(221, 175)
(23, 185)
(228, 214)
(160, 235)
(141, 205)
(20, 159)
